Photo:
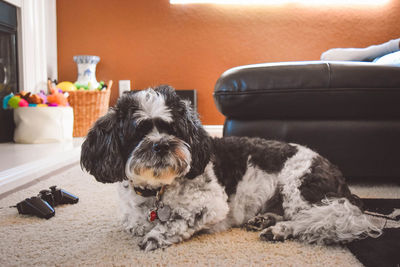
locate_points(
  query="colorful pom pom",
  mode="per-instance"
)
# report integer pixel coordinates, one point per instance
(23, 103)
(6, 99)
(14, 101)
(57, 99)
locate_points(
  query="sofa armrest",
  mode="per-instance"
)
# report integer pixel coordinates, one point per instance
(310, 89)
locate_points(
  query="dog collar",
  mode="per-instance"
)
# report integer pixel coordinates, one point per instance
(147, 192)
(160, 211)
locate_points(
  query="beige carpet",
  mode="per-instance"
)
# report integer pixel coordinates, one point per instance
(89, 233)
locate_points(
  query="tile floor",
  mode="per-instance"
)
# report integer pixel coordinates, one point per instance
(23, 163)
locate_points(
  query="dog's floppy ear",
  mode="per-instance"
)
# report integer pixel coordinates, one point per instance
(199, 140)
(190, 129)
(101, 155)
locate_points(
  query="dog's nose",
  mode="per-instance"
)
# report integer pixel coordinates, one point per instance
(159, 147)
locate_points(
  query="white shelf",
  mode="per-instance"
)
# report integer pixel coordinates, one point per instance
(23, 163)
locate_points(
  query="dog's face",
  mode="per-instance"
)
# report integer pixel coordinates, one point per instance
(150, 138)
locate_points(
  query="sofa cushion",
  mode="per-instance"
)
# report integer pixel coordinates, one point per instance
(310, 90)
(389, 59)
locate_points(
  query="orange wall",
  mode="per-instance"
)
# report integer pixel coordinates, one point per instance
(188, 46)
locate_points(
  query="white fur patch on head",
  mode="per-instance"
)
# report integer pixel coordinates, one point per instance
(152, 105)
(155, 135)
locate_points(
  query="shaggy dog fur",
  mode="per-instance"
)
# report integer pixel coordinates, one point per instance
(175, 180)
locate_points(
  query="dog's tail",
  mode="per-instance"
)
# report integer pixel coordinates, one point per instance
(356, 201)
(344, 191)
(334, 220)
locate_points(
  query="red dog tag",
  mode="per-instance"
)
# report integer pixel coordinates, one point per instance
(152, 215)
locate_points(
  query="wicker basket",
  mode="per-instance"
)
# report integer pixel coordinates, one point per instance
(88, 107)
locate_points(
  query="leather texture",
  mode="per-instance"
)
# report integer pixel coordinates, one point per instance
(348, 112)
(312, 90)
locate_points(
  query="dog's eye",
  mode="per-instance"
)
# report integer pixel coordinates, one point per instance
(165, 127)
(144, 127)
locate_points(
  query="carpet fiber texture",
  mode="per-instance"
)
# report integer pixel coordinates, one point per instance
(89, 233)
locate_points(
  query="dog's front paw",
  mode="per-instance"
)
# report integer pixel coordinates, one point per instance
(267, 235)
(139, 230)
(149, 244)
(153, 243)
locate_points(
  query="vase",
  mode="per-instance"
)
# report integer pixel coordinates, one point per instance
(87, 71)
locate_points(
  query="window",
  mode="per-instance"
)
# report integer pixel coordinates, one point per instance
(280, 2)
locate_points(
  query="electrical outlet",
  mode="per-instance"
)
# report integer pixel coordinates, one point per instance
(124, 85)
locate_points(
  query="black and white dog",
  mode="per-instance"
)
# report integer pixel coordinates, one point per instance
(175, 180)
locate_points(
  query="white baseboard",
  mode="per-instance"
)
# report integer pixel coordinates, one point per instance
(214, 130)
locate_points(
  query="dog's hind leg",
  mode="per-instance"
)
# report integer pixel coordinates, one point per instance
(332, 221)
(270, 214)
(262, 221)
(278, 232)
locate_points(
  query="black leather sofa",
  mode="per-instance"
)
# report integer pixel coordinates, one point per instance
(347, 111)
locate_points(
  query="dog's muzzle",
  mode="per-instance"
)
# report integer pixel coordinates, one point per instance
(158, 161)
